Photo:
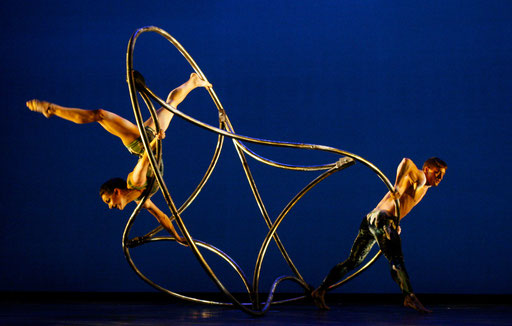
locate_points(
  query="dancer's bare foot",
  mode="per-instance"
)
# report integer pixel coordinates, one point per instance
(40, 106)
(412, 301)
(318, 297)
(198, 81)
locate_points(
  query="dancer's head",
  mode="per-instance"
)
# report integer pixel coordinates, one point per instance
(434, 169)
(113, 192)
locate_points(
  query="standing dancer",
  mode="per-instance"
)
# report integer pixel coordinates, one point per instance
(381, 226)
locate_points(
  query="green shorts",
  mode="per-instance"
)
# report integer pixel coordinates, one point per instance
(136, 147)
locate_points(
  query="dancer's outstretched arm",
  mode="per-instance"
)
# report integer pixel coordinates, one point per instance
(164, 220)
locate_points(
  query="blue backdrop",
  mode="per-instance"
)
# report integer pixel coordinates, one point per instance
(382, 80)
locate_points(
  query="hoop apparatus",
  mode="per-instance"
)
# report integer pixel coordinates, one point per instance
(137, 86)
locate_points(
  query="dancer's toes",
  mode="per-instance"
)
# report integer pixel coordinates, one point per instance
(412, 301)
(319, 299)
(198, 81)
(40, 106)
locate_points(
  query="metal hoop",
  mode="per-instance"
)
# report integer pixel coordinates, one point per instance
(225, 129)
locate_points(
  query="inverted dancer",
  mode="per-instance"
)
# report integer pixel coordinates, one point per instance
(381, 226)
(117, 192)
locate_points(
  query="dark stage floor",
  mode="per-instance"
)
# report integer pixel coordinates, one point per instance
(155, 310)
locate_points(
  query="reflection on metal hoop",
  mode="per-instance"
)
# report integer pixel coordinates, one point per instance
(225, 129)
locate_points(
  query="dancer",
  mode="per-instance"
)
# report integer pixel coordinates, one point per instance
(381, 226)
(117, 192)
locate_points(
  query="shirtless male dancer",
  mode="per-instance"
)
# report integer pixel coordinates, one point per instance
(381, 226)
(117, 193)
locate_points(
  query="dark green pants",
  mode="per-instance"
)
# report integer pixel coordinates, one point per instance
(382, 228)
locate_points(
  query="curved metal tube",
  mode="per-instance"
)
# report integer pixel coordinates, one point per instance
(209, 170)
(201, 244)
(163, 187)
(226, 129)
(353, 275)
(280, 218)
(293, 145)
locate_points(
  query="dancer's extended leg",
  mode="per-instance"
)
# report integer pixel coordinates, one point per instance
(390, 243)
(113, 123)
(360, 249)
(175, 97)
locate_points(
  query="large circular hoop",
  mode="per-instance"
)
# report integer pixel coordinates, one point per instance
(225, 129)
